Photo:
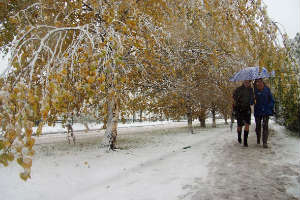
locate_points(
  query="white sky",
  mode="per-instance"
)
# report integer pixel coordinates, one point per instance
(285, 12)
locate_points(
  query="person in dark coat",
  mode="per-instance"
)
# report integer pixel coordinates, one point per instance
(263, 109)
(242, 99)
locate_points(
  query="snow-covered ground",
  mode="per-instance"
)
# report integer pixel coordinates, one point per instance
(160, 161)
(58, 128)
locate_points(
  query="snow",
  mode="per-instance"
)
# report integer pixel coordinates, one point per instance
(96, 126)
(160, 161)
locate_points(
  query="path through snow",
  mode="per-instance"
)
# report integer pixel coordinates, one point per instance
(252, 173)
(152, 164)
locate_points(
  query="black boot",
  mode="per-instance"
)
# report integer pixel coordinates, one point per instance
(258, 139)
(258, 134)
(246, 138)
(240, 137)
(265, 145)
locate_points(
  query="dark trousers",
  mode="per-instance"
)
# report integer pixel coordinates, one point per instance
(265, 126)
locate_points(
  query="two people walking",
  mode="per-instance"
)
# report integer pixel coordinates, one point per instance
(245, 97)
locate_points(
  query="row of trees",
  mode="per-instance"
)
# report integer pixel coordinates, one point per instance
(113, 58)
(288, 112)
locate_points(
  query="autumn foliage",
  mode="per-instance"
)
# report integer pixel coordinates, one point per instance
(112, 58)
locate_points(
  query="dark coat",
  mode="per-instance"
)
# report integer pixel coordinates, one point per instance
(243, 98)
(264, 102)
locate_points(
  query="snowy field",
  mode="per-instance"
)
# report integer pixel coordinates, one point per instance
(159, 161)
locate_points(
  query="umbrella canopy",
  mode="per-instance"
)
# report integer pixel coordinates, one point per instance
(251, 73)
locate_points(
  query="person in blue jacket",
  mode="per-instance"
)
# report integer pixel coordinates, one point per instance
(263, 109)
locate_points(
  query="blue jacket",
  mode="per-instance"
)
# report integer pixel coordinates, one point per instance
(264, 102)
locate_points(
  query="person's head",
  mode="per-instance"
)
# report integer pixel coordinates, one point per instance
(259, 84)
(247, 83)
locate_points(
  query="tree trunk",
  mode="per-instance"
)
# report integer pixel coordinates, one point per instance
(141, 115)
(115, 127)
(190, 120)
(133, 117)
(104, 122)
(214, 125)
(189, 113)
(85, 124)
(202, 122)
(110, 136)
(161, 116)
(202, 116)
(226, 118)
(299, 119)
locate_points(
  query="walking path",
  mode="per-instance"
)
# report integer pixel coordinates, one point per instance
(161, 163)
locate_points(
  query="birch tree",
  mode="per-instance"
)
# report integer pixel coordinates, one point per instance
(78, 57)
(67, 56)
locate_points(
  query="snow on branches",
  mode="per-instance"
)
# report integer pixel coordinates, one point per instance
(109, 58)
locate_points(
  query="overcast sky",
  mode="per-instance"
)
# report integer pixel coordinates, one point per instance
(285, 12)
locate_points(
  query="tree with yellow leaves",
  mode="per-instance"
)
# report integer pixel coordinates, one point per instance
(67, 57)
(95, 57)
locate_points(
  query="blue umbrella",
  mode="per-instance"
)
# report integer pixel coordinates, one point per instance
(251, 73)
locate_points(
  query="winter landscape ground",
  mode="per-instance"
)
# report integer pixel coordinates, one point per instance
(160, 161)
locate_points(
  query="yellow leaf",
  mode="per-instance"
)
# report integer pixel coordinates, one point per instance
(31, 99)
(3, 160)
(30, 142)
(64, 71)
(27, 163)
(19, 149)
(20, 161)
(58, 24)
(81, 60)
(39, 129)
(1, 144)
(102, 88)
(28, 132)
(10, 156)
(16, 90)
(31, 152)
(7, 144)
(13, 20)
(91, 79)
(25, 175)
(45, 113)
(102, 77)
(123, 80)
